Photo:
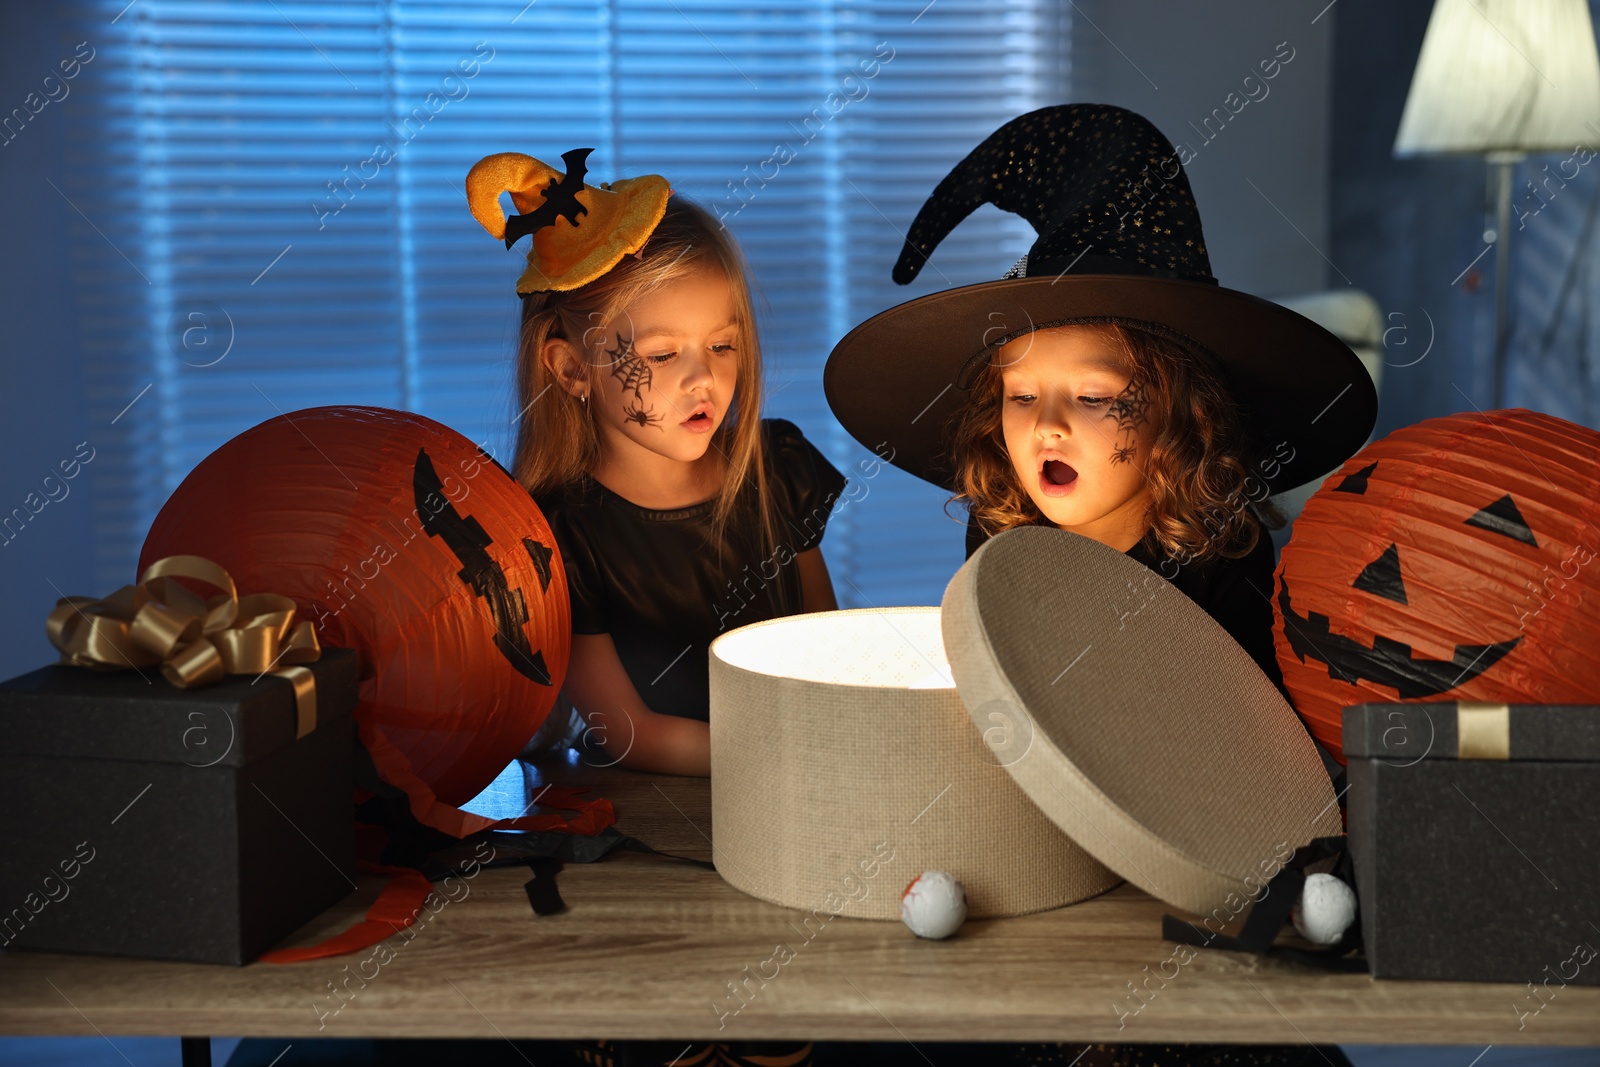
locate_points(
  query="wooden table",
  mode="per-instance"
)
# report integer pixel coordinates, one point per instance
(648, 947)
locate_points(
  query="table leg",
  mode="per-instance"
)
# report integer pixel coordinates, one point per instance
(196, 1051)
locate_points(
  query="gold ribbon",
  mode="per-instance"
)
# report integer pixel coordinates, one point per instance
(196, 641)
(1483, 731)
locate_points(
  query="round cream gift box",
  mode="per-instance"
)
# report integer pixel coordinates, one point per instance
(844, 764)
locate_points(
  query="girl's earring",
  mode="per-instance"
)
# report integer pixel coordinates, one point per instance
(585, 398)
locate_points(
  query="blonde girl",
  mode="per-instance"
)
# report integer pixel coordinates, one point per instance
(679, 512)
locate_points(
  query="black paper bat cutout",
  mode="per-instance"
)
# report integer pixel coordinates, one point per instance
(560, 199)
(467, 539)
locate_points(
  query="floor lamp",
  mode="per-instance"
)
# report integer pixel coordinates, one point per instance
(1501, 79)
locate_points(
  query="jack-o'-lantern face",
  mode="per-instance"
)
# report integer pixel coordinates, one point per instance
(1388, 662)
(400, 538)
(1444, 563)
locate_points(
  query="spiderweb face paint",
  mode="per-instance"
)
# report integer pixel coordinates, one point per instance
(635, 374)
(1131, 410)
(628, 368)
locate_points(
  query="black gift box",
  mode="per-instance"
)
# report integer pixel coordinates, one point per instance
(1475, 835)
(182, 824)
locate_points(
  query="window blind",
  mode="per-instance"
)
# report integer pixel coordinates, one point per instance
(270, 212)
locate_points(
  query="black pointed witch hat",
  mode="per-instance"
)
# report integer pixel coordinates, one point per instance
(1119, 240)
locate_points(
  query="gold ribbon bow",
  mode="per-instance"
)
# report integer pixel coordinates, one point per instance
(195, 641)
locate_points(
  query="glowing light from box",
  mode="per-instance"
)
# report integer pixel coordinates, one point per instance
(899, 648)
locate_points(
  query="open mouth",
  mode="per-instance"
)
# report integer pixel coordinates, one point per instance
(699, 419)
(1058, 473)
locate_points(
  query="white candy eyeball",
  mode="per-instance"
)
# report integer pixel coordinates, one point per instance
(1326, 909)
(934, 905)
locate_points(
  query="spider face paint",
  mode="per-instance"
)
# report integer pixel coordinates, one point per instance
(1076, 423)
(635, 374)
(1131, 410)
(641, 416)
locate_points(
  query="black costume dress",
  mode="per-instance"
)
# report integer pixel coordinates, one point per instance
(1237, 593)
(664, 586)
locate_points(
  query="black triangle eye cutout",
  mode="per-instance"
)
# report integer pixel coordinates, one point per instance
(1503, 518)
(1382, 578)
(1357, 482)
(540, 553)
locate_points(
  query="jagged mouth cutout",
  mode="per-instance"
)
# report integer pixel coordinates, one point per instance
(1388, 662)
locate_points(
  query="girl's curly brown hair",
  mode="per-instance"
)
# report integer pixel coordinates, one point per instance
(1205, 502)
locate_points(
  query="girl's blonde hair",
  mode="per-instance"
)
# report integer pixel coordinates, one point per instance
(1199, 466)
(558, 442)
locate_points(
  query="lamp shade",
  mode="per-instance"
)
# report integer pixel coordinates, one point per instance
(844, 764)
(1511, 76)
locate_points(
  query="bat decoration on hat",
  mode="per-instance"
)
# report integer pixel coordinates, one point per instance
(604, 222)
(560, 199)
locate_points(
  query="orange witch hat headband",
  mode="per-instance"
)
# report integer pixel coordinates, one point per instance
(579, 231)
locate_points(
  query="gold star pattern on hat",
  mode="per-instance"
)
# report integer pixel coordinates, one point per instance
(1087, 177)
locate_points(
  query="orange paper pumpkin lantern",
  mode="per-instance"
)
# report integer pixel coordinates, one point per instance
(1452, 560)
(400, 538)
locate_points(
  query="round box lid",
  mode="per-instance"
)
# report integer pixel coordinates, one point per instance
(1132, 718)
